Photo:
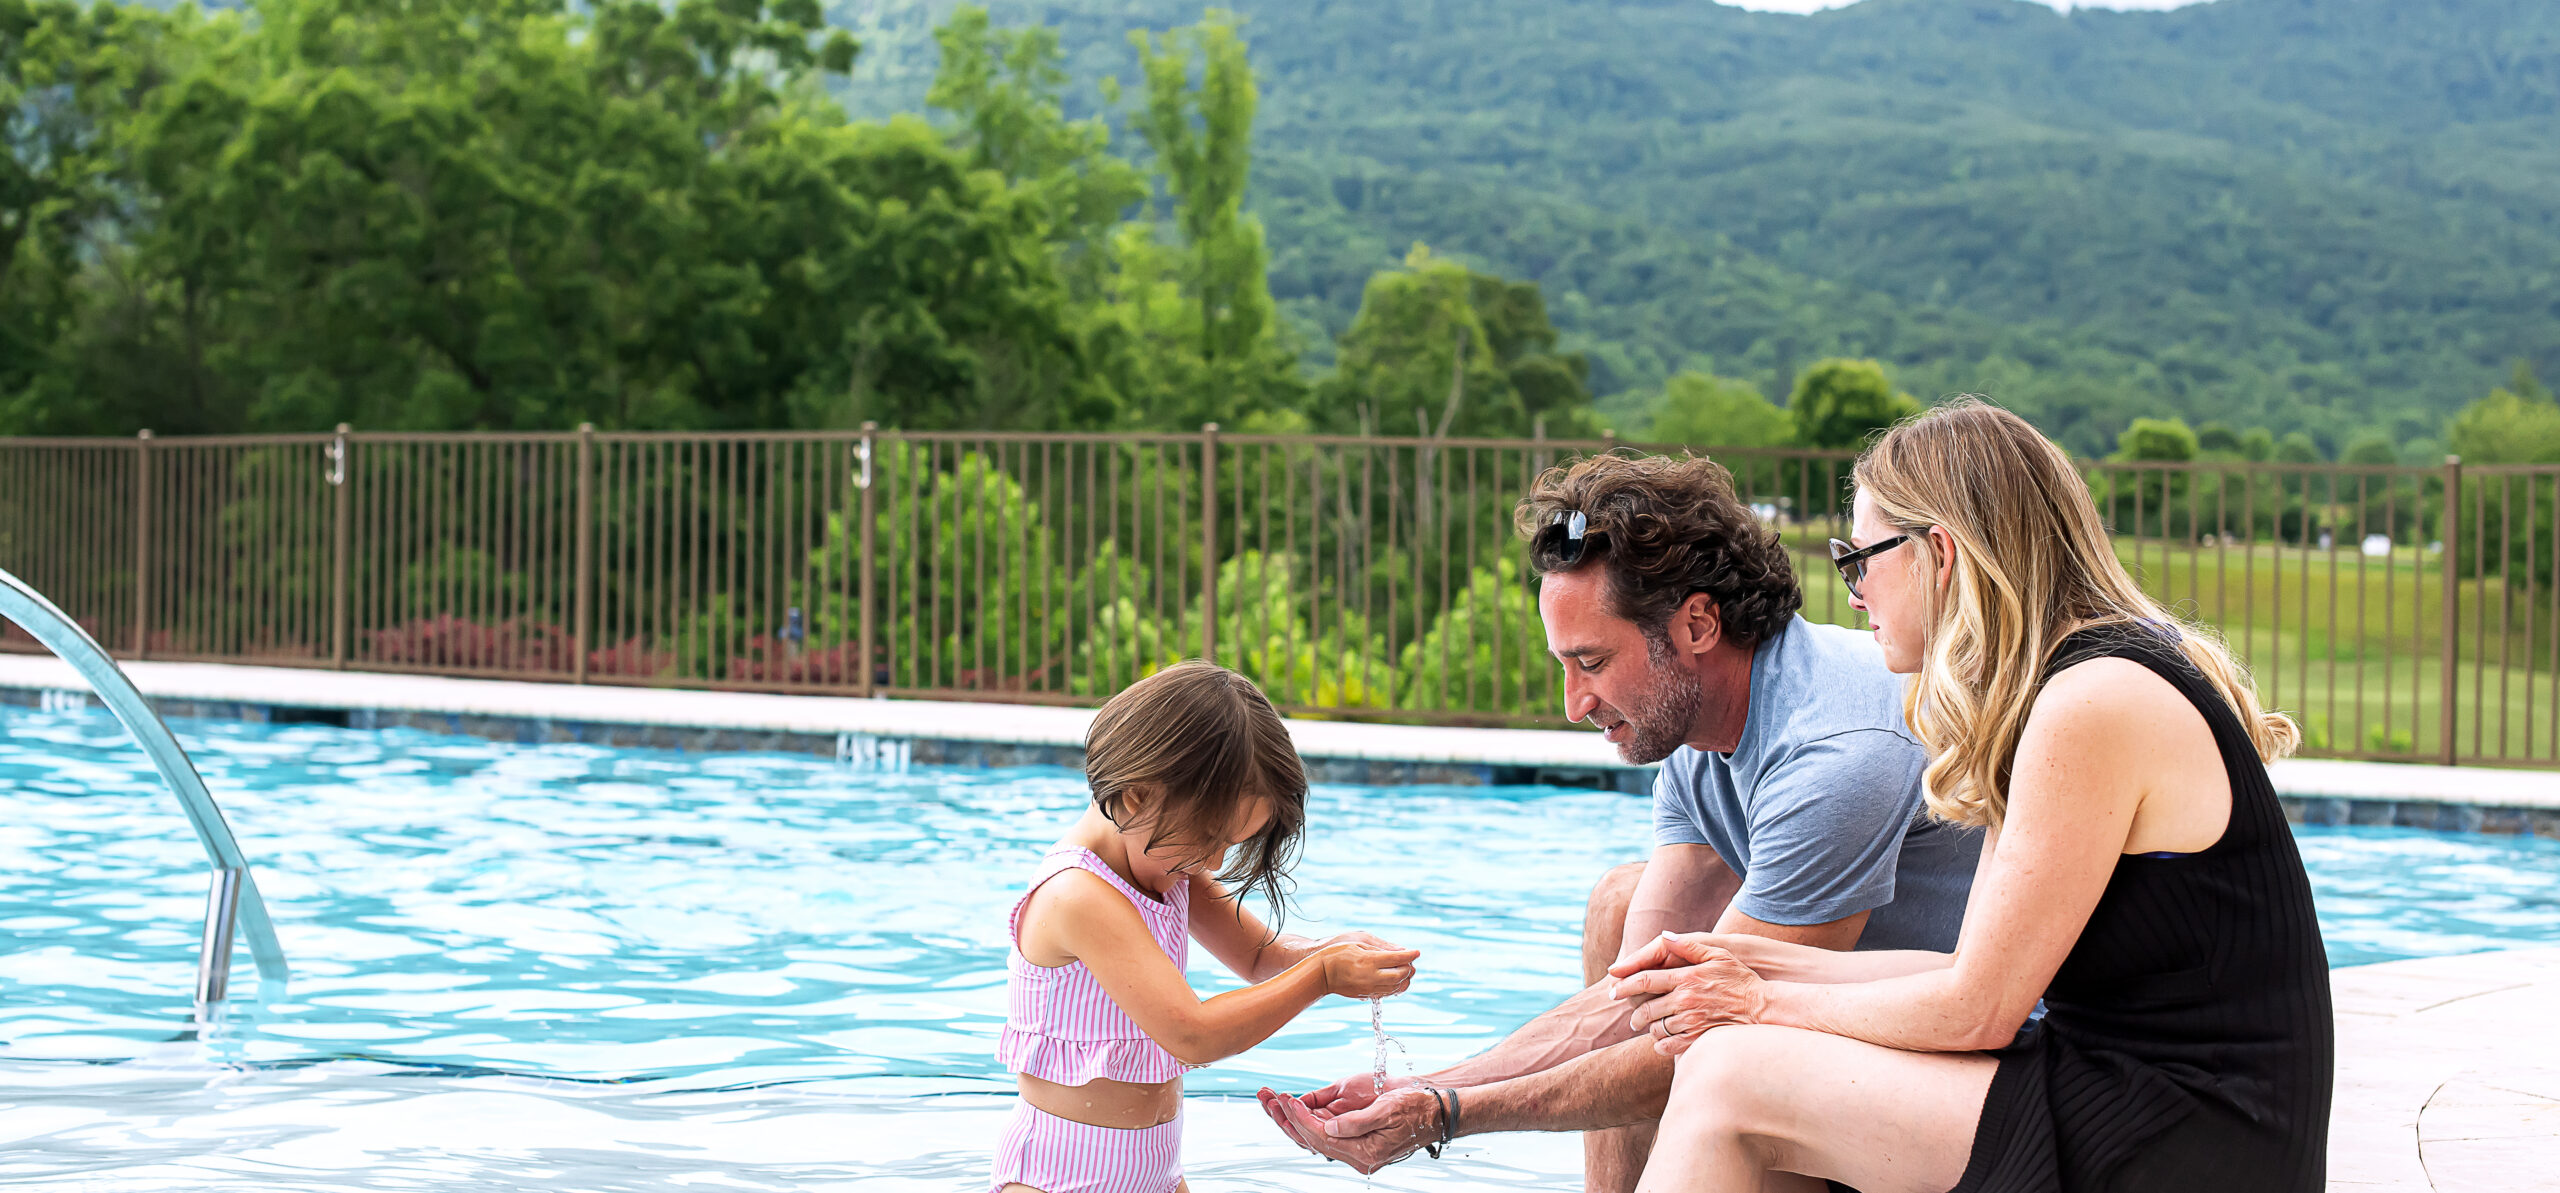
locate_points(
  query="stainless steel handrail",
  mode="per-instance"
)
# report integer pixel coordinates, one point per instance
(234, 899)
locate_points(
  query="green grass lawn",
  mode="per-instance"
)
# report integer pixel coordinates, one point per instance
(2350, 646)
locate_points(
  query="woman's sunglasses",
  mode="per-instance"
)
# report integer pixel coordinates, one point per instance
(1852, 561)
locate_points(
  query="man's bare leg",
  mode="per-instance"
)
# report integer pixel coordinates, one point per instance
(1612, 1159)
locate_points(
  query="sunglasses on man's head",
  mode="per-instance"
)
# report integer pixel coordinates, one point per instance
(1564, 537)
(1852, 561)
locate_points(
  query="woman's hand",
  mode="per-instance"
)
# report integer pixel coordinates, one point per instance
(1356, 970)
(1683, 986)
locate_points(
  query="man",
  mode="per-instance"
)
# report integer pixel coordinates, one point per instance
(1788, 804)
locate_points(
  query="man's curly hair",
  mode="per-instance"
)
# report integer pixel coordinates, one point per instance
(1665, 527)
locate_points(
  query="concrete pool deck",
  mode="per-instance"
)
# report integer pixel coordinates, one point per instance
(895, 732)
(2448, 1075)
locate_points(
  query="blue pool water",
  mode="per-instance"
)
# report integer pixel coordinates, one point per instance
(718, 922)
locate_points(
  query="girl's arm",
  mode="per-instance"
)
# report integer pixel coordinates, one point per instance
(1080, 917)
(1237, 937)
(2098, 737)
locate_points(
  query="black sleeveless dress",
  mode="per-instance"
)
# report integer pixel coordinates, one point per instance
(2187, 1044)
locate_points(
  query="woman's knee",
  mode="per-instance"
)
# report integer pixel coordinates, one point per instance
(1729, 1074)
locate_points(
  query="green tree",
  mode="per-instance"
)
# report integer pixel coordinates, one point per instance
(1486, 653)
(2371, 446)
(70, 78)
(1439, 350)
(1840, 403)
(1702, 410)
(2152, 501)
(1005, 89)
(1201, 136)
(2518, 423)
(524, 214)
(2157, 439)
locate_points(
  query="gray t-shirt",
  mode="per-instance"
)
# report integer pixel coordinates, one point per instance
(1818, 807)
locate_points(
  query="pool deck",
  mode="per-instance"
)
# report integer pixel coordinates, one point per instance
(2448, 1075)
(895, 732)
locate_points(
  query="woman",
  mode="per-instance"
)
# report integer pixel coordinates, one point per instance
(2138, 877)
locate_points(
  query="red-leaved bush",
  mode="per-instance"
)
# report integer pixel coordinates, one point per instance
(765, 659)
(14, 637)
(448, 641)
(631, 659)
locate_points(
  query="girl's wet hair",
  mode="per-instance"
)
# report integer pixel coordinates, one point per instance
(1201, 742)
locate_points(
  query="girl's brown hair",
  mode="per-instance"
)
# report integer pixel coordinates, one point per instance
(1199, 741)
(2033, 563)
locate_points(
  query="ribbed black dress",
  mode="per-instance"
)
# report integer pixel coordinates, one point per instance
(2187, 1045)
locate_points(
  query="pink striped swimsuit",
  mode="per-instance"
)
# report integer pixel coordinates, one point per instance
(1060, 1026)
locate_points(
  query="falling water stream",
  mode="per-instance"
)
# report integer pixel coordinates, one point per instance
(1378, 1031)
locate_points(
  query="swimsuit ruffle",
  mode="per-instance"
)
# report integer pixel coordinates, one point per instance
(1075, 1062)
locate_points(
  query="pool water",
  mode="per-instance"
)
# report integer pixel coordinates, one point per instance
(628, 933)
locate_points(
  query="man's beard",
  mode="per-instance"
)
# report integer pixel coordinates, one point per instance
(1660, 720)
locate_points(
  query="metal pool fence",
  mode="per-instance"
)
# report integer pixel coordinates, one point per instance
(2405, 613)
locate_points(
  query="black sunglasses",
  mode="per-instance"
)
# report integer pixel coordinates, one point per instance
(1564, 537)
(1852, 561)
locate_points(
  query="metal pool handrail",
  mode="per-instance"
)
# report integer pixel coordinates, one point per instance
(234, 899)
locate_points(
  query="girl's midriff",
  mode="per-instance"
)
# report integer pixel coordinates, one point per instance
(1102, 1102)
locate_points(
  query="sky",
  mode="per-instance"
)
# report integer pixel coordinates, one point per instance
(1811, 5)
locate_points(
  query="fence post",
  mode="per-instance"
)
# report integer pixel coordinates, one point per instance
(142, 544)
(340, 468)
(2449, 529)
(868, 451)
(583, 556)
(1209, 541)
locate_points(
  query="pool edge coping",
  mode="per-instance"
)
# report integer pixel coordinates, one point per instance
(886, 732)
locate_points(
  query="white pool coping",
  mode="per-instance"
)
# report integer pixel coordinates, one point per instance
(1044, 725)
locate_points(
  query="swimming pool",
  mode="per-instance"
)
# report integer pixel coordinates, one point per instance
(650, 969)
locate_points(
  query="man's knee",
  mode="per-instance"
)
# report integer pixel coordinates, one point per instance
(1606, 911)
(1604, 918)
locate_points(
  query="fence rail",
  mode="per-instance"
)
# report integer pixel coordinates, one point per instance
(2400, 613)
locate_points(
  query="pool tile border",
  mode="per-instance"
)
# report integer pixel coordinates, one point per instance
(894, 734)
(854, 748)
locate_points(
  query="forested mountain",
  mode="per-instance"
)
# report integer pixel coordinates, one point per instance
(2335, 222)
(2322, 215)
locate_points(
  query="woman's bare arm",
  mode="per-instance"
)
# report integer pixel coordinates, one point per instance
(2099, 737)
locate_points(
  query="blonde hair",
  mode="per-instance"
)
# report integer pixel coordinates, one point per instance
(2033, 563)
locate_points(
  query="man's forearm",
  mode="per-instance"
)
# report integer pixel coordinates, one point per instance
(1625, 1083)
(1579, 1025)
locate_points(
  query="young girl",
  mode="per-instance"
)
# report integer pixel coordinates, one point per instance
(1187, 765)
